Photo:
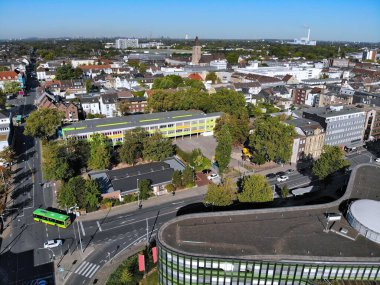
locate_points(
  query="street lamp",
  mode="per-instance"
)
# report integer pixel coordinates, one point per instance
(138, 193)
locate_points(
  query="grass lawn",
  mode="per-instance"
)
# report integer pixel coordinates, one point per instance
(152, 279)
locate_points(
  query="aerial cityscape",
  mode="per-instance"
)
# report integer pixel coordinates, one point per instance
(203, 142)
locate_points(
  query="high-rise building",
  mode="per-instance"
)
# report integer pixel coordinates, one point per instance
(126, 43)
(196, 56)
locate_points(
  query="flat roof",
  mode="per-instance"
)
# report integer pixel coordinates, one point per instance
(134, 121)
(367, 212)
(326, 112)
(292, 233)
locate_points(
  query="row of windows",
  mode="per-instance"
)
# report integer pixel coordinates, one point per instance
(344, 135)
(48, 219)
(344, 117)
(178, 269)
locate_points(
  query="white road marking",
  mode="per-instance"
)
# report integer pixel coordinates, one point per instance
(97, 222)
(92, 272)
(175, 203)
(80, 267)
(88, 269)
(81, 225)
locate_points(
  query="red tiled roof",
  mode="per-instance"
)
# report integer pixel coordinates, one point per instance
(103, 66)
(195, 76)
(4, 75)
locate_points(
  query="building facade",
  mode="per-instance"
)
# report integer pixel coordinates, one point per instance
(170, 124)
(126, 43)
(344, 126)
(175, 268)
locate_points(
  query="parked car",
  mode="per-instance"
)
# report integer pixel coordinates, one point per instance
(270, 176)
(281, 173)
(282, 178)
(377, 160)
(212, 176)
(52, 243)
(290, 171)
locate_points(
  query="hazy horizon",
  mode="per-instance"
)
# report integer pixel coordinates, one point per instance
(329, 21)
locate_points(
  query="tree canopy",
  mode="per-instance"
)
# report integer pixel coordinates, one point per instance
(271, 140)
(221, 195)
(223, 149)
(198, 160)
(157, 148)
(188, 176)
(255, 188)
(100, 156)
(84, 193)
(66, 72)
(123, 107)
(175, 81)
(211, 76)
(43, 123)
(11, 87)
(145, 188)
(8, 155)
(132, 148)
(330, 161)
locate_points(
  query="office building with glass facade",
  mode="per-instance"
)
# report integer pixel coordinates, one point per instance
(295, 245)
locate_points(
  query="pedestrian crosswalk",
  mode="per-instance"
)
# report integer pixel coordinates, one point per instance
(87, 269)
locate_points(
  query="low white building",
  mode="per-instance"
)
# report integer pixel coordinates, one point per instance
(219, 64)
(300, 72)
(78, 62)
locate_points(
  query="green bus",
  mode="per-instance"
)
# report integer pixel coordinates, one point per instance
(51, 218)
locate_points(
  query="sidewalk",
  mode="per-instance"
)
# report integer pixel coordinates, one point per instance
(153, 201)
(105, 271)
(65, 265)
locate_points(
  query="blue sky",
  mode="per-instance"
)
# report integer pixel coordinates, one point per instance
(350, 20)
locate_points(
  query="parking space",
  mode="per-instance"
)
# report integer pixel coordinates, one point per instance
(206, 144)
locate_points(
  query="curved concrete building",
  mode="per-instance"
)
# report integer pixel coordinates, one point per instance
(294, 245)
(364, 216)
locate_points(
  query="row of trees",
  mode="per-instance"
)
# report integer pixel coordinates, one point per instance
(175, 81)
(230, 102)
(254, 188)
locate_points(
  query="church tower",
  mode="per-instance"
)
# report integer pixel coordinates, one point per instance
(196, 56)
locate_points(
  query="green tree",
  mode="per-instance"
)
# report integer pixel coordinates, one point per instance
(84, 193)
(330, 161)
(211, 76)
(11, 87)
(223, 149)
(188, 177)
(232, 58)
(145, 188)
(123, 107)
(256, 188)
(66, 72)
(56, 161)
(125, 276)
(157, 148)
(198, 161)
(221, 195)
(4, 68)
(167, 82)
(285, 191)
(100, 152)
(142, 68)
(265, 140)
(238, 127)
(170, 187)
(7, 155)
(88, 85)
(132, 147)
(43, 123)
(177, 179)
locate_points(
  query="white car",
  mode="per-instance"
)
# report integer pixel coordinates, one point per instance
(52, 243)
(377, 160)
(213, 176)
(282, 178)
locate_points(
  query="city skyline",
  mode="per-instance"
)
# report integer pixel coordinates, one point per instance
(215, 20)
